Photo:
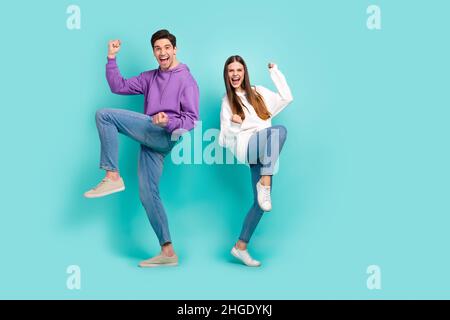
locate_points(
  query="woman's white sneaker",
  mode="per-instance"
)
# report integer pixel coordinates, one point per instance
(245, 257)
(264, 199)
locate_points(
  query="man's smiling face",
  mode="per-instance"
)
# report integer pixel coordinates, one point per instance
(165, 54)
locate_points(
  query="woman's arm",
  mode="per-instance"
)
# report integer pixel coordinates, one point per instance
(228, 129)
(276, 102)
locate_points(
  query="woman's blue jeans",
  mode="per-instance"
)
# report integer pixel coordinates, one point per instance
(263, 152)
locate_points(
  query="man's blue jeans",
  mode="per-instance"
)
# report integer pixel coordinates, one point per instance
(156, 144)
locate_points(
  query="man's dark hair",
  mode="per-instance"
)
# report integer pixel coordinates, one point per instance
(164, 34)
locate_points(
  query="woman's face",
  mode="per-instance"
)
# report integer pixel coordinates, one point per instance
(236, 74)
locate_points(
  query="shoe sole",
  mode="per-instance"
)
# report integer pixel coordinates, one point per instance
(104, 194)
(264, 209)
(157, 265)
(237, 257)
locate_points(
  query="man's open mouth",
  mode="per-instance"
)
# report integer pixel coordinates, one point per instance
(164, 60)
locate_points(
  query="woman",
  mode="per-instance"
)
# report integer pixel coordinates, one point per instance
(246, 129)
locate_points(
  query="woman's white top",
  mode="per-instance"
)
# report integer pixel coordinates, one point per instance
(235, 136)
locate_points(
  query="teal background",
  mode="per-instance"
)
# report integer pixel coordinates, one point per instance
(363, 177)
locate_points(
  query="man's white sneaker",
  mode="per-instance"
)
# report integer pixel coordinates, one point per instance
(105, 188)
(264, 199)
(245, 257)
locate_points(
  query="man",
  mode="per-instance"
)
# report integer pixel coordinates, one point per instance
(171, 107)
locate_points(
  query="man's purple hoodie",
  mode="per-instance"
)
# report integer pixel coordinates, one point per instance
(174, 92)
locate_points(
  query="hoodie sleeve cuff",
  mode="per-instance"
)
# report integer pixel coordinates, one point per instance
(235, 127)
(169, 127)
(111, 61)
(274, 69)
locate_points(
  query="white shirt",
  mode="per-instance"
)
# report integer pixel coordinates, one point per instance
(235, 136)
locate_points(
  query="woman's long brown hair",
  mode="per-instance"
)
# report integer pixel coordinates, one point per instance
(253, 97)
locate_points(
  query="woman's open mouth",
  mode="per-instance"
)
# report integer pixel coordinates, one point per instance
(235, 81)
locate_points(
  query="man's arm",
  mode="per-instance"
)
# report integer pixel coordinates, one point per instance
(189, 113)
(117, 83)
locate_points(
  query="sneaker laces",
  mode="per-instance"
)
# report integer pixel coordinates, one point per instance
(265, 193)
(247, 257)
(105, 180)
